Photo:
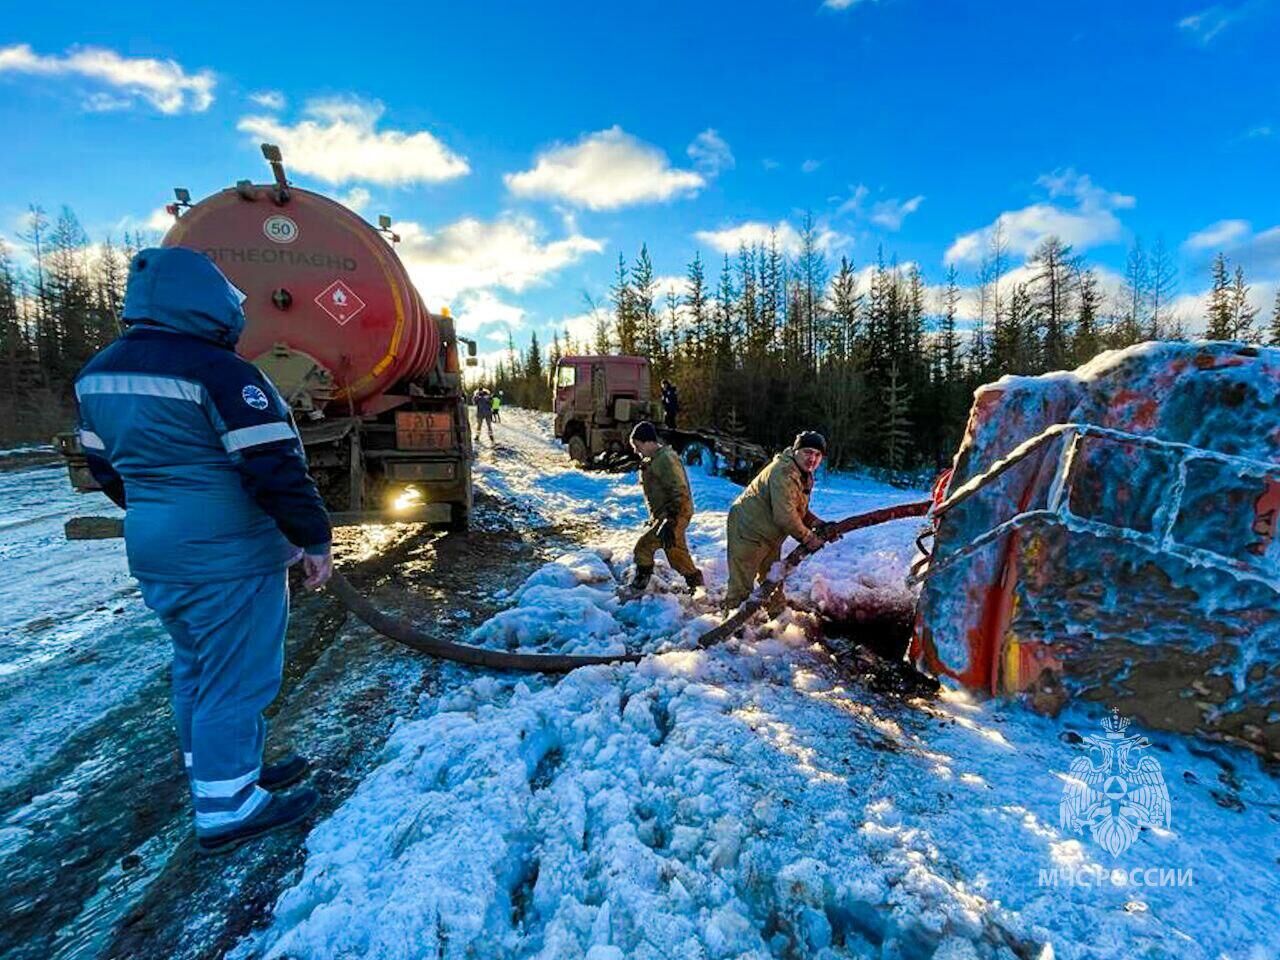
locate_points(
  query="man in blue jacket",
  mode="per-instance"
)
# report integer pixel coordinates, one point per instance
(200, 450)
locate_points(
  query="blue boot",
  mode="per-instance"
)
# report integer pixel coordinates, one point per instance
(282, 810)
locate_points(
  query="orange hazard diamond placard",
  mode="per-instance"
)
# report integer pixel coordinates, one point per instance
(339, 301)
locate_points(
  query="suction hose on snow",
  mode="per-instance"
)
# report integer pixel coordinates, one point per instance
(401, 631)
(404, 632)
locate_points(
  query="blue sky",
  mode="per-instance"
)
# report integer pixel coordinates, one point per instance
(522, 146)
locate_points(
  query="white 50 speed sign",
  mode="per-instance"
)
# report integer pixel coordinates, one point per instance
(280, 228)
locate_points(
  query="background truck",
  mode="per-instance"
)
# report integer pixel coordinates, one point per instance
(598, 400)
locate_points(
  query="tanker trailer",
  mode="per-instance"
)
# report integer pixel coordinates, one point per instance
(331, 316)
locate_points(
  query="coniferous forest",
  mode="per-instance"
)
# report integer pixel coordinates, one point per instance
(762, 343)
(59, 305)
(874, 355)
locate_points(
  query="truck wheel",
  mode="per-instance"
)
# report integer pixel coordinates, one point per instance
(701, 457)
(459, 518)
(578, 451)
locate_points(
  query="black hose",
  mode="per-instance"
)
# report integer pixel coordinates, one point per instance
(406, 633)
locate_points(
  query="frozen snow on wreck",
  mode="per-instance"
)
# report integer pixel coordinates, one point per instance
(1113, 538)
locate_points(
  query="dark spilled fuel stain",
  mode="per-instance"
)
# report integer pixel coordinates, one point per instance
(871, 648)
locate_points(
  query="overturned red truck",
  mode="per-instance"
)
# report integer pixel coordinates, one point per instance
(1110, 534)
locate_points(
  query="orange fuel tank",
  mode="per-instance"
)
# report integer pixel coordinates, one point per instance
(320, 281)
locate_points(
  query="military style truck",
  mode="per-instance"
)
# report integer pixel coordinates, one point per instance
(598, 399)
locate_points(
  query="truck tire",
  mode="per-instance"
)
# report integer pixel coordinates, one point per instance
(701, 458)
(578, 451)
(459, 518)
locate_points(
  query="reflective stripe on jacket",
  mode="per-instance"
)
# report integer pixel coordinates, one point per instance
(194, 439)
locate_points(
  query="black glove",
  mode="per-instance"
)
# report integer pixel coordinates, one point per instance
(667, 533)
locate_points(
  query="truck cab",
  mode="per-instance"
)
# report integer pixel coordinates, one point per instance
(597, 400)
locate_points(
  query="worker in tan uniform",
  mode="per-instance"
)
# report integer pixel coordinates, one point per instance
(666, 491)
(774, 505)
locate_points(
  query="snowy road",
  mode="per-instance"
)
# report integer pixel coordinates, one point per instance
(754, 800)
(94, 812)
(757, 800)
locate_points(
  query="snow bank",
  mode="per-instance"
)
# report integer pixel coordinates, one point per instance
(752, 801)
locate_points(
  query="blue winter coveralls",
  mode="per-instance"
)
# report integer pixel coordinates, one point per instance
(199, 448)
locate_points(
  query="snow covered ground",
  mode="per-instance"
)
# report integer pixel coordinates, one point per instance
(752, 800)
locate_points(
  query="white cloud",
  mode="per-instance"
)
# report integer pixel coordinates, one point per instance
(840, 4)
(809, 166)
(159, 219)
(1210, 22)
(710, 153)
(1258, 253)
(770, 164)
(338, 143)
(269, 99)
(666, 282)
(750, 233)
(102, 102)
(1218, 235)
(1089, 222)
(162, 83)
(753, 232)
(483, 308)
(470, 255)
(357, 199)
(888, 213)
(1081, 188)
(1262, 131)
(604, 171)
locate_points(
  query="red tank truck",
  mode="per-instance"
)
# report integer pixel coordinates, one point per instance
(373, 376)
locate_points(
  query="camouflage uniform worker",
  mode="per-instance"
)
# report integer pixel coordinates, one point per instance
(775, 505)
(666, 491)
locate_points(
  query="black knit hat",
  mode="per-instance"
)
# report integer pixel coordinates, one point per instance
(811, 440)
(644, 432)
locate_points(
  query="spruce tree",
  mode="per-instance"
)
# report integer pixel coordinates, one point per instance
(1086, 341)
(1243, 313)
(897, 423)
(643, 296)
(698, 330)
(1052, 292)
(949, 337)
(724, 317)
(811, 272)
(1275, 321)
(1220, 313)
(533, 368)
(846, 307)
(624, 315)
(748, 301)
